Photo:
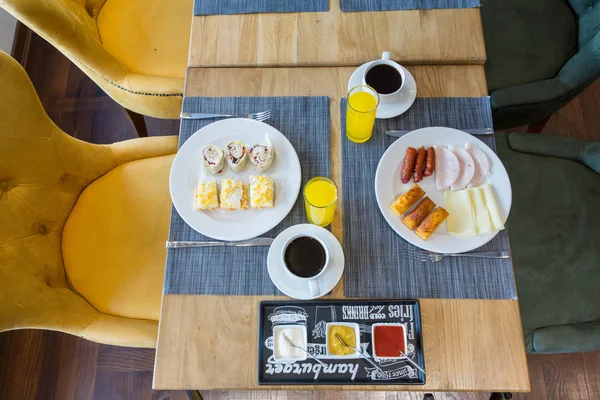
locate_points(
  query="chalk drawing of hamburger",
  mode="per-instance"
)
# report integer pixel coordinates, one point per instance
(286, 315)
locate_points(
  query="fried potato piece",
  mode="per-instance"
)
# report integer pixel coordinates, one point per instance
(407, 200)
(431, 223)
(417, 215)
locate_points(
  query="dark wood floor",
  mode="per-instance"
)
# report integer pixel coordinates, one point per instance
(44, 365)
(77, 105)
(52, 365)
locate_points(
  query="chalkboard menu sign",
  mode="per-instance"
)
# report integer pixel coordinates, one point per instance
(312, 317)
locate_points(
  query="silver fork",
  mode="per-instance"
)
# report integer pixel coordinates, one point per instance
(259, 116)
(287, 339)
(435, 257)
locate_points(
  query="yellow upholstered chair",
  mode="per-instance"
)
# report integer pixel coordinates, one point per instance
(82, 226)
(135, 50)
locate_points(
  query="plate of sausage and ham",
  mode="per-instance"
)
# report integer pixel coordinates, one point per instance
(443, 190)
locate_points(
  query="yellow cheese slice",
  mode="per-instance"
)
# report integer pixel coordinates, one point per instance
(480, 211)
(492, 205)
(460, 221)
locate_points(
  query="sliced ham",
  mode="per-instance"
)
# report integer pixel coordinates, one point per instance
(467, 168)
(447, 168)
(482, 164)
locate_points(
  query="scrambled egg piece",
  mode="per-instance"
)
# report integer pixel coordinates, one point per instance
(261, 191)
(234, 195)
(205, 196)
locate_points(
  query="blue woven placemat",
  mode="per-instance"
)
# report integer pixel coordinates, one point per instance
(381, 264)
(243, 270)
(224, 7)
(390, 5)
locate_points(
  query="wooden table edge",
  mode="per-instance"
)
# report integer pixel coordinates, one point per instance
(426, 306)
(419, 36)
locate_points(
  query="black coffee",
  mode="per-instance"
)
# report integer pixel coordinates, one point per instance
(305, 257)
(384, 79)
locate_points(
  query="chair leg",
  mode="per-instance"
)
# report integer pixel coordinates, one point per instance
(194, 395)
(500, 396)
(537, 127)
(138, 122)
(160, 395)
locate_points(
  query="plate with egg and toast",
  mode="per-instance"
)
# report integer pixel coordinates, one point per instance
(235, 179)
(443, 190)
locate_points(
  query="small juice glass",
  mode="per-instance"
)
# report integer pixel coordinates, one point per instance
(360, 113)
(320, 197)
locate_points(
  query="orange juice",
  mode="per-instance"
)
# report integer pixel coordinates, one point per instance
(360, 113)
(320, 197)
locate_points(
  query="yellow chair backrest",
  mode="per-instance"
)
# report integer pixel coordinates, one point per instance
(42, 173)
(139, 59)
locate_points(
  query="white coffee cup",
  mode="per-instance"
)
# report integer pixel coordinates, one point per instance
(385, 60)
(312, 281)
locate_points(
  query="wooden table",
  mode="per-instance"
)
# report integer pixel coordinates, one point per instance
(210, 342)
(335, 38)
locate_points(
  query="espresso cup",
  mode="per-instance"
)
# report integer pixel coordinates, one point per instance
(386, 94)
(289, 269)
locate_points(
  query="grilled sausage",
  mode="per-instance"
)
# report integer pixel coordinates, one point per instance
(419, 165)
(408, 164)
(429, 162)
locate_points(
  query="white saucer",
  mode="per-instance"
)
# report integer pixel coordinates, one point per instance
(327, 281)
(389, 110)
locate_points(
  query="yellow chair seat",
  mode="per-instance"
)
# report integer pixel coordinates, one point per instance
(103, 210)
(114, 240)
(149, 37)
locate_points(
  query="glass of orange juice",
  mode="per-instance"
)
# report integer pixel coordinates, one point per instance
(320, 197)
(360, 113)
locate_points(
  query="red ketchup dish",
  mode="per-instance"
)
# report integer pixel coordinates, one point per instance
(387, 339)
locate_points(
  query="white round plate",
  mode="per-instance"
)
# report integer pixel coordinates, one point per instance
(388, 187)
(389, 110)
(234, 225)
(291, 287)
